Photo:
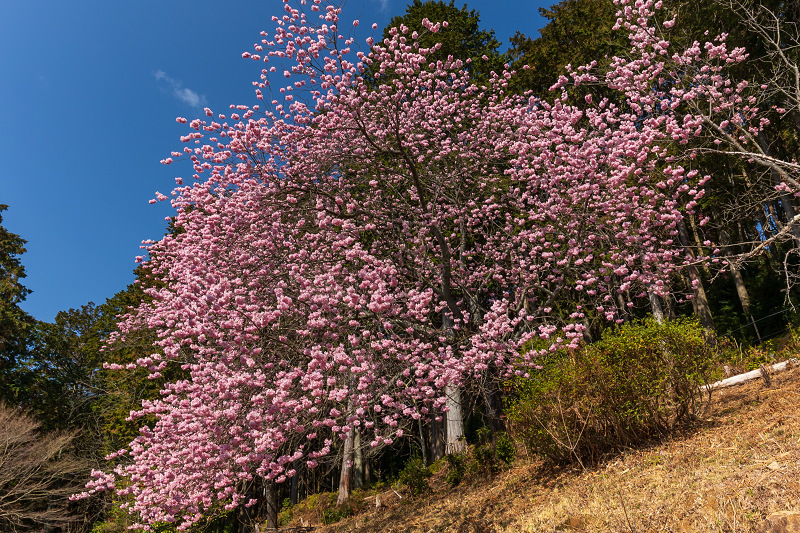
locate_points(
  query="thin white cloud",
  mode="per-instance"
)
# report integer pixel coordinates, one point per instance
(383, 5)
(190, 97)
(184, 94)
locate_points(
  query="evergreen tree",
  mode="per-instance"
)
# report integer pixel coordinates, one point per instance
(463, 38)
(15, 324)
(577, 33)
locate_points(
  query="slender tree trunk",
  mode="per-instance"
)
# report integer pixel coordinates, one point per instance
(436, 441)
(742, 235)
(423, 443)
(701, 250)
(271, 501)
(772, 257)
(744, 298)
(358, 462)
(493, 400)
(655, 303)
(702, 309)
(367, 469)
(738, 281)
(776, 219)
(623, 307)
(670, 307)
(293, 492)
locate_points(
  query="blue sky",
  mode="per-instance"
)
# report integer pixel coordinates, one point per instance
(89, 92)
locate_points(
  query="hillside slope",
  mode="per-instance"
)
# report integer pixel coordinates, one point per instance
(738, 464)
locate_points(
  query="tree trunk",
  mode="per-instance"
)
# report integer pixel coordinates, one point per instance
(772, 211)
(346, 473)
(655, 305)
(668, 303)
(293, 492)
(742, 236)
(455, 421)
(423, 444)
(738, 281)
(271, 501)
(493, 401)
(700, 301)
(741, 290)
(367, 466)
(623, 307)
(436, 442)
(772, 256)
(698, 242)
(358, 462)
(455, 418)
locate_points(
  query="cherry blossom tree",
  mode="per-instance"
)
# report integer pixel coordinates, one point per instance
(347, 257)
(733, 117)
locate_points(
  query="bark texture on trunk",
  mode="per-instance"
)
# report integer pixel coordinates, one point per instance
(346, 473)
(423, 443)
(623, 307)
(455, 421)
(455, 442)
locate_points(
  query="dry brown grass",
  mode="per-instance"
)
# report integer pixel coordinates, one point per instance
(725, 474)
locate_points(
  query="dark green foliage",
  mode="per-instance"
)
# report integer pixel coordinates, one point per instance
(767, 300)
(493, 453)
(67, 387)
(505, 449)
(638, 383)
(331, 515)
(125, 390)
(388, 465)
(64, 360)
(456, 468)
(15, 324)
(414, 475)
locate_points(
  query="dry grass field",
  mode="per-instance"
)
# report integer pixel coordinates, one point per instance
(726, 473)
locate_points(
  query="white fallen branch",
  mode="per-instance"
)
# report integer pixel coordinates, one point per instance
(749, 376)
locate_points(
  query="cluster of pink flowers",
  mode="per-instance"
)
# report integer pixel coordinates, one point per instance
(386, 228)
